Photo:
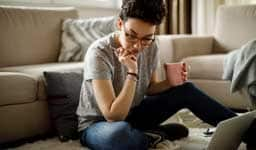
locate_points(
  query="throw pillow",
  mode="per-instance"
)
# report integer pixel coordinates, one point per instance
(78, 34)
(63, 90)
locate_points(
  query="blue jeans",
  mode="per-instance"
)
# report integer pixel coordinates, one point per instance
(152, 111)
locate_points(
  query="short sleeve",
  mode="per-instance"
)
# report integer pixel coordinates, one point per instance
(97, 65)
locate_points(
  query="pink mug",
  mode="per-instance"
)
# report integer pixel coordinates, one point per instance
(174, 72)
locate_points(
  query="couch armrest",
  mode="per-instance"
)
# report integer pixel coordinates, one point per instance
(174, 48)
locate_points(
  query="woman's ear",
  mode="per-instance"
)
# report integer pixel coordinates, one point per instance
(119, 23)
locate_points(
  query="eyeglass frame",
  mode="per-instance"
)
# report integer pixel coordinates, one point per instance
(134, 39)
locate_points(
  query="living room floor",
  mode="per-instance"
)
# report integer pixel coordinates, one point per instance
(196, 140)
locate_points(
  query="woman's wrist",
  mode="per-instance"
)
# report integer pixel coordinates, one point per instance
(131, 77)
(135, 75)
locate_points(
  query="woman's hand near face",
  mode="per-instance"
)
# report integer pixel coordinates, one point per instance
(127, 58)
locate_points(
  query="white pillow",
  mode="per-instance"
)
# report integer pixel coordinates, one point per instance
(78, 34)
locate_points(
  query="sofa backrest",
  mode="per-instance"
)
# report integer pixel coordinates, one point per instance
(31, 35)
(235, 25)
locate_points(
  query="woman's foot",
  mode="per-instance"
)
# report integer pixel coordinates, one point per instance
(172, 131)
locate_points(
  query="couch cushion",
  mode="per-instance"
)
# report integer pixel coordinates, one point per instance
(36, 71)
(205, 66)
(235, 25)
(23, 121)
(34, 32)
(17, 88)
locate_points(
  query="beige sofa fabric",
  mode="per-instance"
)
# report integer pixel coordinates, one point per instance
(180, 46)
(31, 35)
(23, 120)
(235, 25)
(17, 88)
(36, 71)
(208, 67)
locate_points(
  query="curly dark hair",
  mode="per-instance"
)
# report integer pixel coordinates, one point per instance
(152, 11)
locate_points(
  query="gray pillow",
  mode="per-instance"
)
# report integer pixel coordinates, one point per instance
(79, 34)
(63, 90)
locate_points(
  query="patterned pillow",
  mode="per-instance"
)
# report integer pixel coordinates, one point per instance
(78, 34)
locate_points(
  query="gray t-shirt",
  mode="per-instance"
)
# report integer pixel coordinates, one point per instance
(102, 63)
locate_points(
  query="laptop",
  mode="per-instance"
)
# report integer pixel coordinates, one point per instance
(228, 134)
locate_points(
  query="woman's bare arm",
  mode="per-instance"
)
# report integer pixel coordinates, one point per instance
(114, 108)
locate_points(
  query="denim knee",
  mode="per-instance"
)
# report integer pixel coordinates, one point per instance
(114, 136)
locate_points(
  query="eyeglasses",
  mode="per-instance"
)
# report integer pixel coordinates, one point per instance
(133, 39)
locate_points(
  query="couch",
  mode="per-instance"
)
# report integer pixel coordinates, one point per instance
(30, 43)
(235, 26)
